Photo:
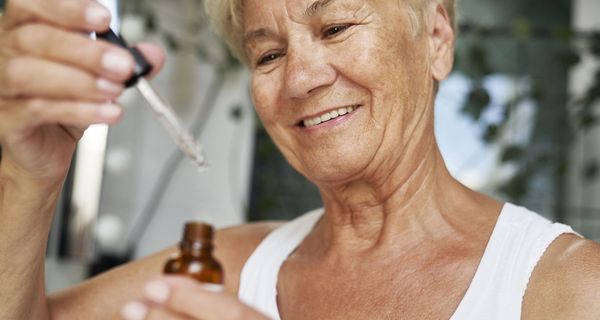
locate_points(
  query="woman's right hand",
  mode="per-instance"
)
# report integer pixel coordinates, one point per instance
(54, 82)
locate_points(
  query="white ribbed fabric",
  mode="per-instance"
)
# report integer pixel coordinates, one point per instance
(258, 280)
(517, 243)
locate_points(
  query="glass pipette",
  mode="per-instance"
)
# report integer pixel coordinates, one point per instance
(162, 110)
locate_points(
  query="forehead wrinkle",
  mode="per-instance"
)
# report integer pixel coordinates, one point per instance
(261, 33)
(316, 7)
(258, 34)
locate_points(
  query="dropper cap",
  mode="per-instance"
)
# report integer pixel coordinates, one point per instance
(142, 66)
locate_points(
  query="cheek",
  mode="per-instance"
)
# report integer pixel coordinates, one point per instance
(269, 110)
(377, 65)
(264, 100)
(361, 61)
(376, 58)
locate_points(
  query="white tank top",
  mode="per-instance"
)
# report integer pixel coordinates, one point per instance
(517, 243)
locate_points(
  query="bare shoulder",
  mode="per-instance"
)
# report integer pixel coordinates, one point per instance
(566, 282)
(234, 245)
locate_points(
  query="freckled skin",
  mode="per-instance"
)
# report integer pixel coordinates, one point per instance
(367, 64)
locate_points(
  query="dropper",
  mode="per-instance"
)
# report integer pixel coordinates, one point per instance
(162, 110)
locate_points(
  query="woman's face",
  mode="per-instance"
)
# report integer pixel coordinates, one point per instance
(340, 85)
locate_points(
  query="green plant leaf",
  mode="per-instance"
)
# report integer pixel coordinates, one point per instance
(491, 133)
(564, 33)
(522, 28)
(150, 24)
(171, 41)
(595, 44)
(569, 58)
(476, 103)
(590, 171)
(516, 187)
(512, 153)
(477, 57)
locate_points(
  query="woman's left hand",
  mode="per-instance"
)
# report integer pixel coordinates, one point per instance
(175, 297)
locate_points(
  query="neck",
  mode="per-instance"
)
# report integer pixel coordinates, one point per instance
(416, 201)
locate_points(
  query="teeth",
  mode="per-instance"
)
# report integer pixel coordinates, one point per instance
(325, 117)
(328, 116)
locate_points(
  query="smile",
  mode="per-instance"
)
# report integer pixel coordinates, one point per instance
(327, 116)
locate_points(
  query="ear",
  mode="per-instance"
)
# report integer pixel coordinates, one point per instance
(441, 41)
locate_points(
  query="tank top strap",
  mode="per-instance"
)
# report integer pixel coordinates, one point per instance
(258, 279)
(516, 245)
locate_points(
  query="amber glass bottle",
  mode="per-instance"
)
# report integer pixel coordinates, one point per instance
(195, 258)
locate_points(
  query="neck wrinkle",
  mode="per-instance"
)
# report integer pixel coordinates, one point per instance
(397, 206)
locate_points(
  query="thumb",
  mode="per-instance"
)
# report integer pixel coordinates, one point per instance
(155, 56)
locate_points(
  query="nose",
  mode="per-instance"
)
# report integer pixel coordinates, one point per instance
(307, 71)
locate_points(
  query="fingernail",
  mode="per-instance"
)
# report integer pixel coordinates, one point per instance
(157, 291)
(97, 15)
(109, 111)
(213, 287)
(114, 62)
(134, 311)
(108, 86)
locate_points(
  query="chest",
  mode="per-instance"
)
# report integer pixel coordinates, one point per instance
(382, 291)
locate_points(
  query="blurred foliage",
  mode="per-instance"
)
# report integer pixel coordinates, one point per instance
(590, 171)
(512, 153)
(587, 117)
(475, 62)
(477, 101)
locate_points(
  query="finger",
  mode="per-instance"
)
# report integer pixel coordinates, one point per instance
(155, 56)
(190, 298)
(137, 310)
(26, 76)
(17, 117)
(158, 313)
(73, 114)
(76, 132)
(134, 311)
(75, 49)
(85, 15)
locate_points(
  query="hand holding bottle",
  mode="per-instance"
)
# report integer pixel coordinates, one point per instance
(197, 289)
(177, 297)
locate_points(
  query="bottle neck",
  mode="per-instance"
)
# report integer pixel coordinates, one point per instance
(196, 249)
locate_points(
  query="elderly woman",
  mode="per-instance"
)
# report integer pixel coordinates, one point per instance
(345, 88)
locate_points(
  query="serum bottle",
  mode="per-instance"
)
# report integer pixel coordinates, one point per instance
(195, 258)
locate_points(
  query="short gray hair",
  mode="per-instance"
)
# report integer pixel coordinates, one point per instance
(226, 18)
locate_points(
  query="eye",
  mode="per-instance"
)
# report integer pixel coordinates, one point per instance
(268, 58)
(332, 31)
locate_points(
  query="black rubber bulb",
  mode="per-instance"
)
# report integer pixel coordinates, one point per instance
(142, 66)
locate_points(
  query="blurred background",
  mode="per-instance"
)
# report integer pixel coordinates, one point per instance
(517, 119)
